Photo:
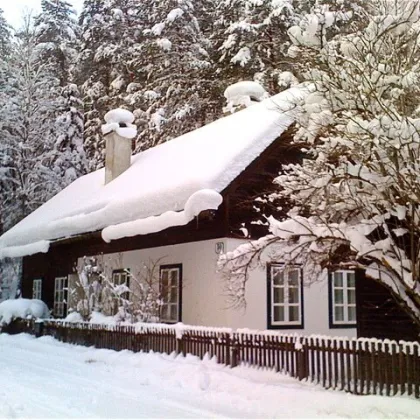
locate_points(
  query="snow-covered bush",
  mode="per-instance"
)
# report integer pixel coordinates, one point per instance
(74, 317)
(22, 308)
(132, 297)
(86, 292)
(356, 198)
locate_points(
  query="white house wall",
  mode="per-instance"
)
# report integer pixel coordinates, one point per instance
(203, 299)
(315, 304)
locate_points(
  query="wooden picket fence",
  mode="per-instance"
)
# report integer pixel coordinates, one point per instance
(359, 366)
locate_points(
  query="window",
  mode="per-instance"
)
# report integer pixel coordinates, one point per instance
(37, 289)
(170, 290)
(122, 278)
(285, 297)
(342, 299)
(59, 296)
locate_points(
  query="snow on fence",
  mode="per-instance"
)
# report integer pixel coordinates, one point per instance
(359, 366)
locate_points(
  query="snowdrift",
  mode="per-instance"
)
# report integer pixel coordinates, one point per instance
(22, 308)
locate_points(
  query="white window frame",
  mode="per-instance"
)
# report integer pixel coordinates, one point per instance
(167, 304)
(278, 268)
(37, 289)
(59, 296)
(345, 304)
(119, 277)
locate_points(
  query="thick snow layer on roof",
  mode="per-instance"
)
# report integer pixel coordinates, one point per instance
(198, 202)
(161, 179)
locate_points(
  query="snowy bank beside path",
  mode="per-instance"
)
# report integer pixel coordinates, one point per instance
(48, 379)
(22, 308)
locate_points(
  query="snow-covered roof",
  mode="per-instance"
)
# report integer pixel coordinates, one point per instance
(184, 175)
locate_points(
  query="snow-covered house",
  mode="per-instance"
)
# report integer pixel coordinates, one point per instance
(178, 206)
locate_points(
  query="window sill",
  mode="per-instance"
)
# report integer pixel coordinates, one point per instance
(285, 327)
(337, 326)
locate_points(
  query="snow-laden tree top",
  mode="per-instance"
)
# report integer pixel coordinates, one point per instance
(160, 180)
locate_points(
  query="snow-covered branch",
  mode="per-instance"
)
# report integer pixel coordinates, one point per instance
(356, 196)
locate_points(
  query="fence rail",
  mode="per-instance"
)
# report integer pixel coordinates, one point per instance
(359, 366)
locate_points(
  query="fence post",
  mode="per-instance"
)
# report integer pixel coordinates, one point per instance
(38, 328)
(302, 367)
(180, 346)
(233, 354)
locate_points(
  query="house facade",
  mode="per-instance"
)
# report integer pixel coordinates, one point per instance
(150, 216)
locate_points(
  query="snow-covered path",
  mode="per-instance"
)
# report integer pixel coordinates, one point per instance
(43, 378)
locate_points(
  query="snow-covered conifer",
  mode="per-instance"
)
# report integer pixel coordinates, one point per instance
(5, 34)
(251, 39)
(93, 76)
(171, 72)
(56, 32)
(27, 180)
(70, 158)
(254, 38)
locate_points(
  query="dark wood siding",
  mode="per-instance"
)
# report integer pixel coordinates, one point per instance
(256, 181)
(57, 263)
(378, 314)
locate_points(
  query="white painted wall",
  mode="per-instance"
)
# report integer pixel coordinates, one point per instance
(315, 304)
(204, 301)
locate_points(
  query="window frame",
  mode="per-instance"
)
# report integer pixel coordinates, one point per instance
(60, 303)
(284, 325)
(170, 267)
(126, 272)
(331, 303)
(37, 289)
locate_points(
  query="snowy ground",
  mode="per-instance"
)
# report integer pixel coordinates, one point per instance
(44, 378)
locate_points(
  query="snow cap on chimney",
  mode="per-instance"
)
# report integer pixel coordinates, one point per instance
(118, 130)
(244, 94)
(121, 121)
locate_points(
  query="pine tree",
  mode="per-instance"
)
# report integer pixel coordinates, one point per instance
(56, 32)
(93, 76)
(56, 37)
(28, 111)
(251, 40)
(5, 35)
(69, 159)
(172, 73)
(151, 57)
